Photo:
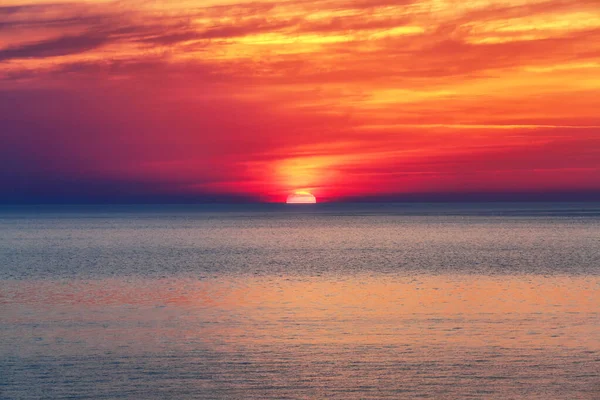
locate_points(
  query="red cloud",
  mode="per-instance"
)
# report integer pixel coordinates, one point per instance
(257, 99)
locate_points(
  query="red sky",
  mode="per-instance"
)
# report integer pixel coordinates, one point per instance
(215, 99)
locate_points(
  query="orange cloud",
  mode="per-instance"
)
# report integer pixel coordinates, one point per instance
(260, 98)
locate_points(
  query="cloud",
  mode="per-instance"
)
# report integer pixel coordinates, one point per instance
(55, 47)
(254, 98)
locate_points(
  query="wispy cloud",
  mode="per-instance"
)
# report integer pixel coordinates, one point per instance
(250, 97)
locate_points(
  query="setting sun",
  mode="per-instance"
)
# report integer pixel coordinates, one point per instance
(272, 199)
(301, 197)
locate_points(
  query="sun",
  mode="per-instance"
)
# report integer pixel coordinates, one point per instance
(301, 197)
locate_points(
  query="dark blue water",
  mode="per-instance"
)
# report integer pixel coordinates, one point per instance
(311, 301)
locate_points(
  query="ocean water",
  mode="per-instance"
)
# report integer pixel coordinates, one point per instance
(326, 301)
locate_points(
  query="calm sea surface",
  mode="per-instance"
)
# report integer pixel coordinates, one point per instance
(300, 302)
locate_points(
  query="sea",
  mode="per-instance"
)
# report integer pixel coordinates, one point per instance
(325, 301)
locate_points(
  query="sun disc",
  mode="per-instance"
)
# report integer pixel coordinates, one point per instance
(301, 197)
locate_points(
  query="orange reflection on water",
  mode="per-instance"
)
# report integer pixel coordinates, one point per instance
(467, 310)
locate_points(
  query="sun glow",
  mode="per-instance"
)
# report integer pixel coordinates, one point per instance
(301, 197)
(349, 100)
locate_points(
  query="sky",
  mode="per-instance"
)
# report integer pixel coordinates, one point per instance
(234, 100)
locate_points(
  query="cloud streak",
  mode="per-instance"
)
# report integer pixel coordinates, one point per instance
(260, 98)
